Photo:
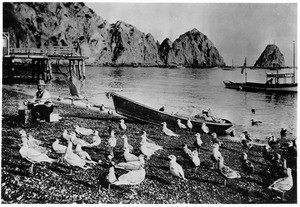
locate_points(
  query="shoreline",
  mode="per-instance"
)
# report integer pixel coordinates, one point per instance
(52, 184)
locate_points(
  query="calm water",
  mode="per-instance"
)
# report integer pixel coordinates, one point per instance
(188, 91)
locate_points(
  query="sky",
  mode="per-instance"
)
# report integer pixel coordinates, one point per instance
(237, 30)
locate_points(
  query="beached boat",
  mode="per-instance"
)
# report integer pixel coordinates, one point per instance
(132, 109)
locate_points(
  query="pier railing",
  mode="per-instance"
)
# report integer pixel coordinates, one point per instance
(51, 52)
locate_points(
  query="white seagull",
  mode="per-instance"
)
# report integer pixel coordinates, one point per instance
(33, 155)
(198, 142)
(189, 124)
(133, 165)
(227, 172)
(175, 168)
(282, 185)
(83, 154)
(195, 158)
(133, 177)
(149, 143)
(167, 131)
(58, 148)
(126, 144)
(96, 139)
(66, 135)
(180, 125)
(122, 125)
(83, 131)
(215, 155)
(76, 141)
(128, 156)
(205, 128)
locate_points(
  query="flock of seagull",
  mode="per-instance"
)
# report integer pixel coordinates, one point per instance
(33, 151)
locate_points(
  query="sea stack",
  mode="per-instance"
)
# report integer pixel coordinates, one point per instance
(270, 58)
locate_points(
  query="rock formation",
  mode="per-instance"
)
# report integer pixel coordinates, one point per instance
(41, 25)
(270, 58)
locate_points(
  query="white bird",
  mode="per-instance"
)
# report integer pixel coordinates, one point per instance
(227, 172)
(33, 155)
(128, 156)
(189, 124)
(175, 168)
(205, 128)
(215, 155)
(32, 143)
(282, 185)
(133, 165)
(167, 131)
(66, 135)
(58, 148)
(215, 139)
(122, 125)
(110, 112)
(83, 131)
(96, 139)
(148, 152)
(186, 152)
(198, 142)
(180, 125)
(249, 167)
(149, 143)
(73, 159)
(83, 154)
(195, 158)
(112, 142)
(111, 176)
(134, 177)
(77, 141)
(126, 144)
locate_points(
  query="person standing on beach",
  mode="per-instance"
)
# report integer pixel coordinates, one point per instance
(41, 106)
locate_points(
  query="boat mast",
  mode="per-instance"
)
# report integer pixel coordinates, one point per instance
(245, 64)
(294, 62)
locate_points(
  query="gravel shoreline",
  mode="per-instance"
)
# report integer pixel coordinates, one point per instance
(52, 184)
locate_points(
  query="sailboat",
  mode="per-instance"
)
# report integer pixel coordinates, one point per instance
(229, 68)
(280, 83)
(275, 82)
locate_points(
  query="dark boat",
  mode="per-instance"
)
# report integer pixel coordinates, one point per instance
(140, 112)
(232, 85)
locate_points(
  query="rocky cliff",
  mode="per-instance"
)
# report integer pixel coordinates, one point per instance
(270, 58)
(40, 25)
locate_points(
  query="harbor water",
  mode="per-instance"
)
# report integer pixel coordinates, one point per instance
(188, 91)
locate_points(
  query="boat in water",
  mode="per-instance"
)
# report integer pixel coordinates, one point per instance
(275, 82)
(134, 110)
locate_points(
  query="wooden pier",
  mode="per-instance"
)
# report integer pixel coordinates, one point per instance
(39, 61)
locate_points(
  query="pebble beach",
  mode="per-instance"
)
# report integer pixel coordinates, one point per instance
(53, 184)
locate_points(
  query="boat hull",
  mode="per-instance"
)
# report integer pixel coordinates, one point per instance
(232, 85)
(140, 112)
(282, 87)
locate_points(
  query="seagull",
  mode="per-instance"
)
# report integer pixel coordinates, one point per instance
(83, 131)
(76, 141)
(175, 168)
(186, 152)
(195, 158)
(180, 125)
(215, 139)
(96, 139)
(167, 131)
(255, 122)
(148, 152)
(133, 177)
(33, 143)
(232, 133)
(227, 172)
(268, 153)
(33, 155)
(282, 185)
(112, 142)
(189, 124)
(73, 159)
(83, 154)
(204, 128)
(149, 143)
(198, 142)
(292, 149)
(126, 144)
(162, 108)
(247, 135)
(215, 155)
(110, 112)
(283, 132)
(253, 111)
(58, 148)
(111, 176)
(133, 165)
(122, 125)
(128, 156)
(246, 143)
(67, 136)
(273, 142)
(249, 167)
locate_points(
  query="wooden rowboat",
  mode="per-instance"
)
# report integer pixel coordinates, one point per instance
(140, 112)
